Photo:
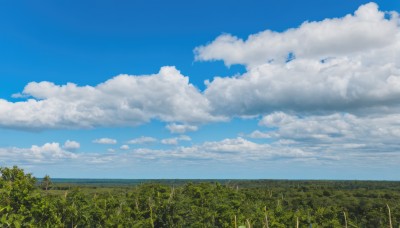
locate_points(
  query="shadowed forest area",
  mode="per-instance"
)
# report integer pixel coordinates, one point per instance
(28, 202)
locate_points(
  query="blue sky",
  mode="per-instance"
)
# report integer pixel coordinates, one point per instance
(201, 89)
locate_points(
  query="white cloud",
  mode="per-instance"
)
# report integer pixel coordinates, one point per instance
(302, 141)
(175, 140)
(124, 147)
(365, 31)
(180, 128)
(229, 150)
(306, 86)
(276, 119)
(121, 101)
(46, 154)
(259, 135)
(342, 134)
(345, 64)
(170, 141)
(349, 64)
(105, 141)
(71, 145)
(184, 138)
(142, 140)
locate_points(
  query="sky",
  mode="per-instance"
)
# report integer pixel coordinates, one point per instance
(201, 89)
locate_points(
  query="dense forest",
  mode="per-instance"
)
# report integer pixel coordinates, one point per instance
(27, 202)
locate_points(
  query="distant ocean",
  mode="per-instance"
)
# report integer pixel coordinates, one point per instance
(129, 182)
(236, 182)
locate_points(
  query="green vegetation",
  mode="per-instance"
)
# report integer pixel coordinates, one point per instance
(24, 202)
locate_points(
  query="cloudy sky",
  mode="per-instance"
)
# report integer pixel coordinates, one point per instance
(201, 89)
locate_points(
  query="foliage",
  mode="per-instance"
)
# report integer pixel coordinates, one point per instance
(24, 203)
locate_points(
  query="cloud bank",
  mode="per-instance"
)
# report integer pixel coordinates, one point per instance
(121, 101)
(349, 64)
(326, 90)
(230, 150)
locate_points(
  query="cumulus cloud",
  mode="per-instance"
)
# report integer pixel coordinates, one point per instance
(184, 138)
(181, 128)
(170, 141)
(343, 64)
(362, 32)
(71, 145)
(229, 150)
(304, 86)
(105, 141)
(259, 135)
(340, 133)
(124, 147)
(175, 140)
(142, 140)
(124, 100)
(276, 119)
(45, 154)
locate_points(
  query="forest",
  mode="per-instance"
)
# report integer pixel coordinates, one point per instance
(29, 202)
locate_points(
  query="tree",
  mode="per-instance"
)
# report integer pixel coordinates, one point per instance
(46, 182)
(17, 197)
